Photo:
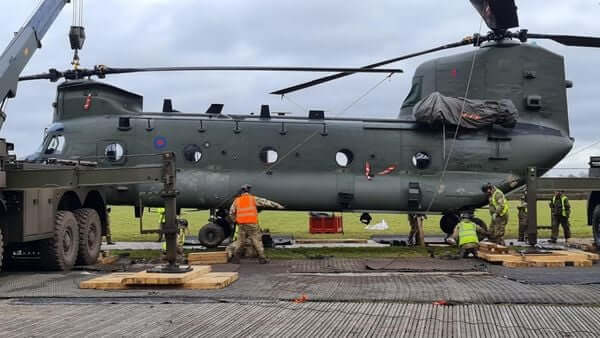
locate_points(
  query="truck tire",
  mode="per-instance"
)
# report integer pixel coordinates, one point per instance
(90, 235)
(596, 225)
(211, 235)
(60, 251)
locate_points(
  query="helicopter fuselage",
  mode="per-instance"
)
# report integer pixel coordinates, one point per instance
(319, 163)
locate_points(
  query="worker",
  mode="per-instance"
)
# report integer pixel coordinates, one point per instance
(245, 213)
(499, 213)
(162, 219)
(416, 235)
(522, 218)
(182, 230)
(561, 211)
(466, 234)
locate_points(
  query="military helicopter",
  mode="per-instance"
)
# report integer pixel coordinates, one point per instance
(433, 158)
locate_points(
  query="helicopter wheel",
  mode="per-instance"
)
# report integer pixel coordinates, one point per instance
(448, 222)
(211, 235)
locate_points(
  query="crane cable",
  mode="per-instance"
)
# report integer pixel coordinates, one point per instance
(452, 145)
(76, 25)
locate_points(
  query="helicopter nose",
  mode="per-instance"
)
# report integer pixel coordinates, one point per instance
(548, 153)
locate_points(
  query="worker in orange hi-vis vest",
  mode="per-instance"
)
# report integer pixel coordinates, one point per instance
(245, 213)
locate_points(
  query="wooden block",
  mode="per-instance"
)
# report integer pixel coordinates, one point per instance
(108, 260)
(211, 281)
(589, 255)
(492, 257)
(113, 281)
(153, 278)
(515, 264)
(199, 258)
(583, 263)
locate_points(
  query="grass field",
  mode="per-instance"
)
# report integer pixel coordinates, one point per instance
(126, 228)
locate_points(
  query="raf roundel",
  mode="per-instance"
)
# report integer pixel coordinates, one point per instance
(160, 142)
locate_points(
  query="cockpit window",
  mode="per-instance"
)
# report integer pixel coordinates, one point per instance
(414, 95)
(55, 145)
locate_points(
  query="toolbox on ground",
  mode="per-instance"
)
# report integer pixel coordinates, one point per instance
(325, 223)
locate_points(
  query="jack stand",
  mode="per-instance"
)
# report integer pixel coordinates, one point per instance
(170, 230)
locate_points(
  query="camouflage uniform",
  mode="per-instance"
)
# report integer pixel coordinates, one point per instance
(252, 231)
(561, 211)
(416, 234)
(522, 220)
(499, 213)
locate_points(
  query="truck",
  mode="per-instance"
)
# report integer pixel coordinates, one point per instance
(57, 210)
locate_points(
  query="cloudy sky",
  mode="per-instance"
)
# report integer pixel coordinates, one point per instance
(334, 33)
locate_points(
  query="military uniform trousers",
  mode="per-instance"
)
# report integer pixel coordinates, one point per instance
(560, 220)
(252, 232)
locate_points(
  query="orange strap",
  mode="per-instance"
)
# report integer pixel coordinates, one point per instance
(245, 209)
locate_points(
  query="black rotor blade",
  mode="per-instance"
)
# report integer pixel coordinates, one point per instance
(110, 70)
(466, 41)
(497, 14)
(569, 40)
(101, 71)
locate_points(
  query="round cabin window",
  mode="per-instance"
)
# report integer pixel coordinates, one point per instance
(344, 157)
(421, 160)
(268, 155)
(192, 153)
(114, 152)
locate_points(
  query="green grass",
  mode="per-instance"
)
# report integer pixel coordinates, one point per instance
(126, 228)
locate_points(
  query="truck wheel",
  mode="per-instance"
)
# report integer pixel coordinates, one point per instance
(90, 235)
(60, 251)
(211, 235)
(482, 224)
(596, 225)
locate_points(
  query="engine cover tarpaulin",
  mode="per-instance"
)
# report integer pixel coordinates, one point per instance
(437, 109)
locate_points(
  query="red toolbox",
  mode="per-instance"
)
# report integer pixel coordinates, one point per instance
(324, 223)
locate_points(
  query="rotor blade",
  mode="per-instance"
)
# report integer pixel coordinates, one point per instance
(110, 70)
(497, 14)
(466, 41)
(101, 71)
(569, 40)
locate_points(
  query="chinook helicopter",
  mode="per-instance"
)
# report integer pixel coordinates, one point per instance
(433, 158)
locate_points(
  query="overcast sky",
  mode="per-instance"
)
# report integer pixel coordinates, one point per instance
(334, 33)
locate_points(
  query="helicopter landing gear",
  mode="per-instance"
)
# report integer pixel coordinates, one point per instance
(448, 222)
(217, 229)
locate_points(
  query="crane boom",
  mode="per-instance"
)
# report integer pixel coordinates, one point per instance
(25, 42)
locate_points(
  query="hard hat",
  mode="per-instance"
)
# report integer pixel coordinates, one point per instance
(246, 187)
(486, 187)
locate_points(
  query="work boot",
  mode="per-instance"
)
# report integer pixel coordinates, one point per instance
(262, 260)
(235, 259)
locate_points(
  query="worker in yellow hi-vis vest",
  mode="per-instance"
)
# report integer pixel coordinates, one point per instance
(182, 230)
(467, 233)
(561, 211)
(498, 206)
(245, 213)
(162, 218)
